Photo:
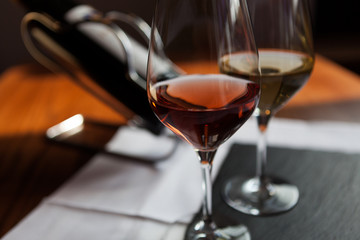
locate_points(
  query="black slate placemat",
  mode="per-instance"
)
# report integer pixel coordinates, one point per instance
(329, 185)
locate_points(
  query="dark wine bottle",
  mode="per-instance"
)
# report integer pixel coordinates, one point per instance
(101, 57)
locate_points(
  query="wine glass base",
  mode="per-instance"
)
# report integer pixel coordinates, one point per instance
(246, 196)
(201, 230)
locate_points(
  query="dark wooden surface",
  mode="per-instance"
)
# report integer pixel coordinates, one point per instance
(32, 100)
(32, 167)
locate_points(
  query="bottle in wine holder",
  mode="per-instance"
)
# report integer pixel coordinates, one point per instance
(96, 52)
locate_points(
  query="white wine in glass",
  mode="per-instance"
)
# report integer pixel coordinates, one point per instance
(282, 31)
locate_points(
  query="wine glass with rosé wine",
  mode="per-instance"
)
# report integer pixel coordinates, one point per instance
(207, 99)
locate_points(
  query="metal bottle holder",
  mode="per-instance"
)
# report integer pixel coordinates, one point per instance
(57, 59)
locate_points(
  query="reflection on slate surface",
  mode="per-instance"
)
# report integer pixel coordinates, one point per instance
(329, 184)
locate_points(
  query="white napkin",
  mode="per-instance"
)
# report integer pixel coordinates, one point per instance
(111, 197)
(298, 134)
(168, 191)
(138, 143)
(57, 222)
(158, 192)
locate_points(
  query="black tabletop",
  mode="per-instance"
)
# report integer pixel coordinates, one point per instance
(329, 185)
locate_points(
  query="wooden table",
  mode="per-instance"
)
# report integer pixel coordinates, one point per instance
(33, 99)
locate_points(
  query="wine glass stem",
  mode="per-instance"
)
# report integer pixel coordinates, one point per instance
(261, 156)
(206, 158)
(207, 205)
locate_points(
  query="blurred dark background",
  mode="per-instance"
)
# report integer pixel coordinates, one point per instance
(335, 25)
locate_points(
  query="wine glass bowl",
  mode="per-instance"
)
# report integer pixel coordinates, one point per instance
(282, 32)
(194, 87)
(213, 105)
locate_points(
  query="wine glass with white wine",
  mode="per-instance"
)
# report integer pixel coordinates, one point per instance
(283, 36)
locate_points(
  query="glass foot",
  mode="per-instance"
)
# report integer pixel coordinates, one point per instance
(250, 197)
(202, 230)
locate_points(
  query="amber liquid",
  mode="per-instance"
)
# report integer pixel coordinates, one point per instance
(283, 73)
(204, 110)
